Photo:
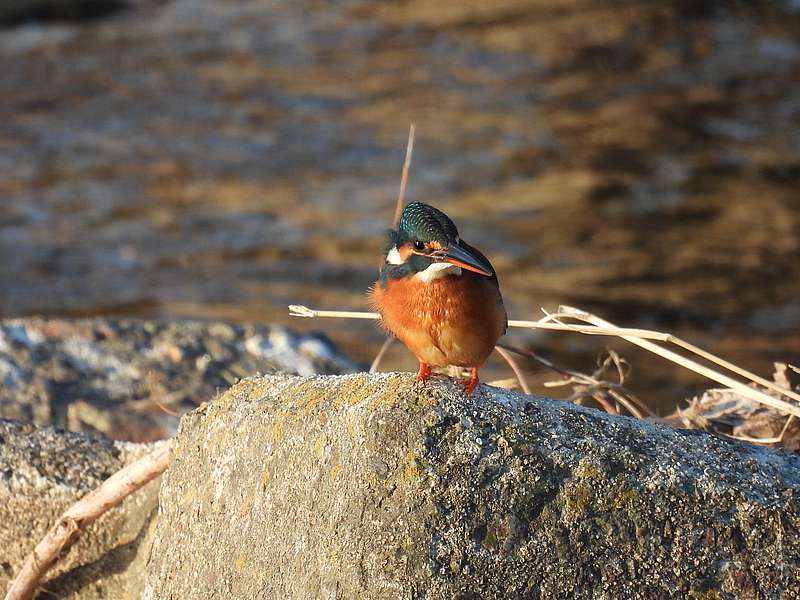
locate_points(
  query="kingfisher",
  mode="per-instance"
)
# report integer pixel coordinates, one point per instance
(438, 295)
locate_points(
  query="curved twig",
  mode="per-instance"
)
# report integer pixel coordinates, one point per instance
(514, 367)
(379, 356)
(82, 514)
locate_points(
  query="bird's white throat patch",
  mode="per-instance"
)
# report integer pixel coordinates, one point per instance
(393, 258)
(437, 270)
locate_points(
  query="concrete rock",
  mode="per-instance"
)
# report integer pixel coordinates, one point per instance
(366, 486)
(43, 472)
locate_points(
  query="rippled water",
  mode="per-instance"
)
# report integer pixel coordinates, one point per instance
(225, 159)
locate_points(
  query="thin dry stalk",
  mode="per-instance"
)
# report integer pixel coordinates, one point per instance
(631, 403)
(668, 337)
(745, 390)
(618, 392)
(160, 405)
(299, 310)
(514, 367)
(639, 337)
(601, 399)
(510, 383)
(146, 404)
(82, 514)
(398, 210)
(567, 373)
(592, 386)
(401, 196)
(379, 356)
(769, 440)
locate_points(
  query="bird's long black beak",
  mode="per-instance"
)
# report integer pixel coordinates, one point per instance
(457, 255)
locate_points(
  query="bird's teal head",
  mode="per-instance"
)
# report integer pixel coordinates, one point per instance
(426, 244)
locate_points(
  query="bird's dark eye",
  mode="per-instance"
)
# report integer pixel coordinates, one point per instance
(419, 246)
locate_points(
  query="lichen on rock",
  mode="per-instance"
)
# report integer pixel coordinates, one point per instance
(376, 487)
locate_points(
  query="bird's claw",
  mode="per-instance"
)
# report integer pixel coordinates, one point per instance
(472, 382)
(424, 373)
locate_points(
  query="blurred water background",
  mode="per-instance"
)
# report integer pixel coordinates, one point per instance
(223, 159)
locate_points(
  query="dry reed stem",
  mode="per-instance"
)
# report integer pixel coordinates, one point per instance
(514, 367)
(299, 310)
(401, 193)
(639, 337)
(379, 356)
(633, 405)
(668, 337)
(401, 196)
(745, 390)
(82, 514)
(755, 440)
(590, 385)
(398, 211)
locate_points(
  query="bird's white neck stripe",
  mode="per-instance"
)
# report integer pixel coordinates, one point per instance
(393, 258)
(437, 270)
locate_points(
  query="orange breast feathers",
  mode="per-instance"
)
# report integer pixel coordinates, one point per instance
(454, 320)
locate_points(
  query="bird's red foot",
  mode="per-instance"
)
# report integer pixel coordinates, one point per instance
(424, 372)
(472, 382)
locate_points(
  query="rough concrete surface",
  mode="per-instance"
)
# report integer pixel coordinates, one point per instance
(44, 471)
(367, 486)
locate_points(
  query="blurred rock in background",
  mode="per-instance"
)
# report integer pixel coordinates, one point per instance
(130, 380)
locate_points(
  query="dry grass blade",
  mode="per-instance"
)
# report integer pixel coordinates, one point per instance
(598, 396)
(379, 356)
(646, 334)
(567, 373)
(401, 196)
(742, 388)
(510, 383)
(296, 310)
(606, 393)
(640, 337)
(82, 514)
(299, 310)
(398, 211)
(667, 337)
(514, 367)
(158, 397)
